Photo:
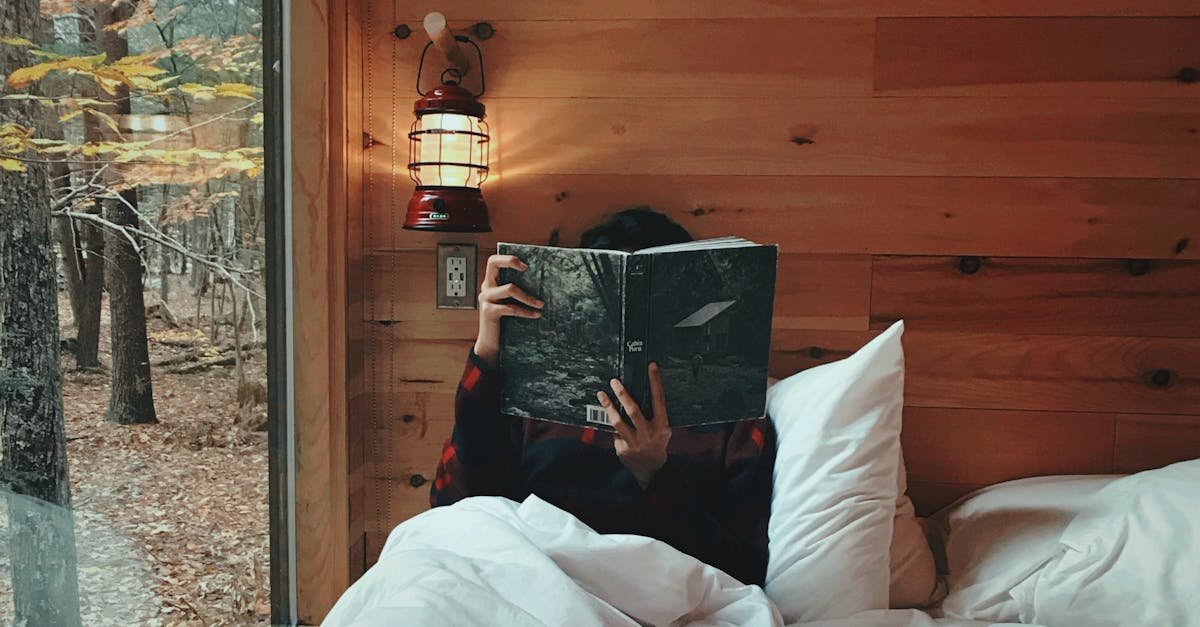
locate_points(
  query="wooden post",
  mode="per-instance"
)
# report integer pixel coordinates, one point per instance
(443, 39)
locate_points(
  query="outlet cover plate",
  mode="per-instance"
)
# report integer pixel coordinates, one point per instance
(469, 285)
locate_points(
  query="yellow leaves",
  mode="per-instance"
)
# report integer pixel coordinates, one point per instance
(198, 91)
(16, 41)
(106, 119)
(14, 139)
(23, 77)
(138, 65)
(237, 90)
(70, 115)
(257, 119)
(137, 71)
(232, 90)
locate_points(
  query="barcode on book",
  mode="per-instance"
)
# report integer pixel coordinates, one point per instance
(596, 414)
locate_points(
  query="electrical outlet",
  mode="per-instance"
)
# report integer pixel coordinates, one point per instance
(456, 283)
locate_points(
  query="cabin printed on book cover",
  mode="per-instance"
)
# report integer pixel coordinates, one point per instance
(701, 310)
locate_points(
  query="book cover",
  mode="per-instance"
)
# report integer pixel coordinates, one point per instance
(701, 310)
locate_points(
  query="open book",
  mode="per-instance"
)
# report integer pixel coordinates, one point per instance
(701, 310)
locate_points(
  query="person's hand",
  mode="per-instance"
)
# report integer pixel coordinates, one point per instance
(642, 447)
(497, 301)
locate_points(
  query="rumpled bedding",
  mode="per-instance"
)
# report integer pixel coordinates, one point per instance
(491, 561)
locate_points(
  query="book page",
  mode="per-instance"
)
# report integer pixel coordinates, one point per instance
(728, 241)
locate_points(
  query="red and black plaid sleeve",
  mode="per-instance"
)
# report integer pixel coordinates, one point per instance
(481, 458)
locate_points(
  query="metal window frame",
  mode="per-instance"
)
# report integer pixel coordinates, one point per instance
(280, 384)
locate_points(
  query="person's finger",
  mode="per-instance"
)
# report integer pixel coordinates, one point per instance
(631, 407)
(614, 416)
(503, 293)
(513, 291)
(658, 398)
(492, 272)
(516, 311)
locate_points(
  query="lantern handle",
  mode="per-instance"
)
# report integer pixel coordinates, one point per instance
(478, 53)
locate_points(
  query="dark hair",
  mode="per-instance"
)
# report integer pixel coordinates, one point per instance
(635, 228)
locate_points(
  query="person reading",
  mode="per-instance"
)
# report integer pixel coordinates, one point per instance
(705, 490)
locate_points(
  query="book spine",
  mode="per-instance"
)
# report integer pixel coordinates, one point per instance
(635, 341)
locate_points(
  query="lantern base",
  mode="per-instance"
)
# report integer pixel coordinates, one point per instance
(451, 209)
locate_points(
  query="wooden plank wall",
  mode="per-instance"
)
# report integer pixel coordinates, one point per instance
(1019, 180)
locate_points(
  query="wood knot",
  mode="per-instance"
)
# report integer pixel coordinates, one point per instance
(407, 418)
(402, 31)
(1137, 267)
(699, 211)
(800, 140)
(816, 352)
(416, 480)
(1161, 378)
(969, 265)
(1187, 75)
(553, 239)
(1181, 245)
(483, 31)
(561, 196)
(618, 129)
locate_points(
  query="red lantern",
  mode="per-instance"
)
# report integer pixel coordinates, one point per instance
(448, 156)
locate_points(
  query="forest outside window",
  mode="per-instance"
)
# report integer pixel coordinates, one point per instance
(134, 311)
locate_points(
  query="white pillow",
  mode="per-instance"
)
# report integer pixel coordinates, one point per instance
(1131, 558)
(993, 539)
(913, 573)
(835, 491)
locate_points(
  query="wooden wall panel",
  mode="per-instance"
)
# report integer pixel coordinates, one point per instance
(658, 59)
(322, 366)
(930, 496)
(814, 292)
(1146, 442)
(875, 151)
(1075, 296)
(1015, 217)
(689, 9)
(1051, 372)
(1057, 137)
(1130, 57)
(1004, 445)
(1022, 372)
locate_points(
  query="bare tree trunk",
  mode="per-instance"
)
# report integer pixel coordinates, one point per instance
(164, 271)
(87, 354)
(34, 467)
(132, 396)
(69, 246)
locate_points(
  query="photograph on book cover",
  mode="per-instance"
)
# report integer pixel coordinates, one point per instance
(572, 351)
(709, 331)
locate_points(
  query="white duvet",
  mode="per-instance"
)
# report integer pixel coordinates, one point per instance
(490, 561)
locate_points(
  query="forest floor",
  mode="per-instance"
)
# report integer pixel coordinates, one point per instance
(171, 519)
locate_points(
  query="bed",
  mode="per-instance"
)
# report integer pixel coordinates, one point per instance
(846, 546)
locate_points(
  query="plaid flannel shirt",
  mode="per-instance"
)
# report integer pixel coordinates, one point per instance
(710, 500)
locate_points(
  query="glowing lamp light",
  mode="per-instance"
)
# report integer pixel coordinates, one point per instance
(448, 157)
